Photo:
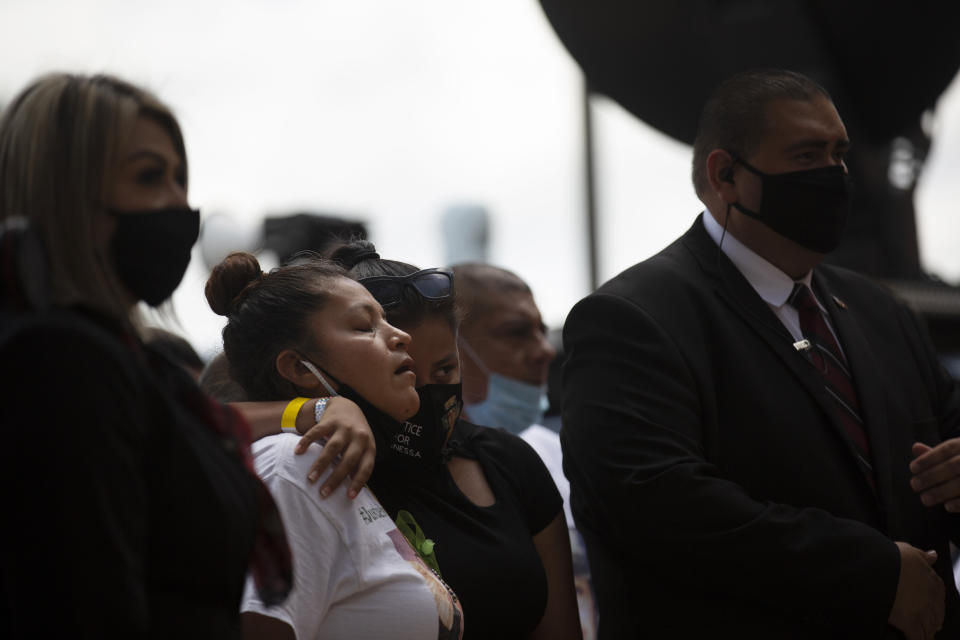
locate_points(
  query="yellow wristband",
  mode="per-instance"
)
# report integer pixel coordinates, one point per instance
(288, 421)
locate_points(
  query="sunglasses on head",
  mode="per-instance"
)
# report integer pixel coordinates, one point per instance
(431, 284)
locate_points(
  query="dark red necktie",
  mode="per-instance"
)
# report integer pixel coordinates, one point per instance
(827, 357)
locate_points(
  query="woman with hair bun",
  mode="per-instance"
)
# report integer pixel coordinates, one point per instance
(479, 501)
(308, 331)
(130, 507)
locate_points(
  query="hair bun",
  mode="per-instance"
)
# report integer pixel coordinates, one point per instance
(231, 281)
(350, 255)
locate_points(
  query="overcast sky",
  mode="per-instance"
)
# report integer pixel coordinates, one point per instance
(392, 111)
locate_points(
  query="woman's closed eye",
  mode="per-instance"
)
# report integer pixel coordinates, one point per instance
(363, 318)
(367, 323)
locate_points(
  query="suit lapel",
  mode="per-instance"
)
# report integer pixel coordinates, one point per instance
(736, 292)
(734, 289)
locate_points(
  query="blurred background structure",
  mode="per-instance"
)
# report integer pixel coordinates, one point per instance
(432, 126)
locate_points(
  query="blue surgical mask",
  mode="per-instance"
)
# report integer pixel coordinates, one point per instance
(511, 404)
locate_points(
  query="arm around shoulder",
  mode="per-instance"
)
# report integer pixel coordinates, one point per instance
(342, 427)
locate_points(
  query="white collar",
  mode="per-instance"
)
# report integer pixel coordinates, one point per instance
(770, 283)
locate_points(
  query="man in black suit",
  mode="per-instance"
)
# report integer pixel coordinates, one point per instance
(759, 445)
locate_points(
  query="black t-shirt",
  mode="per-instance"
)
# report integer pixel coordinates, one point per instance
(486, 554)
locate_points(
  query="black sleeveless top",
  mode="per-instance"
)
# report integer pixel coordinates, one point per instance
(486, 554)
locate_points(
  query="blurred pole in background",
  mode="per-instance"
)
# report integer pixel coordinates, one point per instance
(590, 195)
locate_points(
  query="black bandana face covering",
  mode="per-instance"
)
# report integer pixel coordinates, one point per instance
(440, 406)
(417, 444)
(151, 250)
(809, 207)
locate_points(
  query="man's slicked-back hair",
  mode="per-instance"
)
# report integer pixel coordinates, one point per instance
(734, 116)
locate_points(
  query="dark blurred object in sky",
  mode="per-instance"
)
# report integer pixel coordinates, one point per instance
(290, 234)
(660, 59)
(884, 63)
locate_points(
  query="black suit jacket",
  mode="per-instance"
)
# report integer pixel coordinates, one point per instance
(716, 492)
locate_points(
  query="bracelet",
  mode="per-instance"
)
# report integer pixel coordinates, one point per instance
(288, 421)
(319, 408)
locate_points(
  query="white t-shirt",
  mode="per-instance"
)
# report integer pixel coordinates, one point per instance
(355, 576)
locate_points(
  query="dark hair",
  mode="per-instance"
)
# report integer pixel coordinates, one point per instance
(476, 281)
(266, 313)
(734, 116)
(215, 380)
(361, 260)
(174, 347)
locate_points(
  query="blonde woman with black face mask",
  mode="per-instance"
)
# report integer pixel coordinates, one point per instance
(130, 508)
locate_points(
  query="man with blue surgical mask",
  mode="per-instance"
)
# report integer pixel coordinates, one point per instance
(504, 360)
(504, 351)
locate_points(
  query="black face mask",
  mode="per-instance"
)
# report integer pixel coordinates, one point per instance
(420, 443)
(809, 207)
(440, 407)
(151, 250)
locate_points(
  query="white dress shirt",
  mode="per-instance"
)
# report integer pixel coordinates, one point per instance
(770, 283)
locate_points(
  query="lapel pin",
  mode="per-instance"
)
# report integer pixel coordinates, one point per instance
(802, 345)
(840, 303)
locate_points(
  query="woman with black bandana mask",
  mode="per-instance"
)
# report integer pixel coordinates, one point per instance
(308, 330)
(131, 509)
(477, 501)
